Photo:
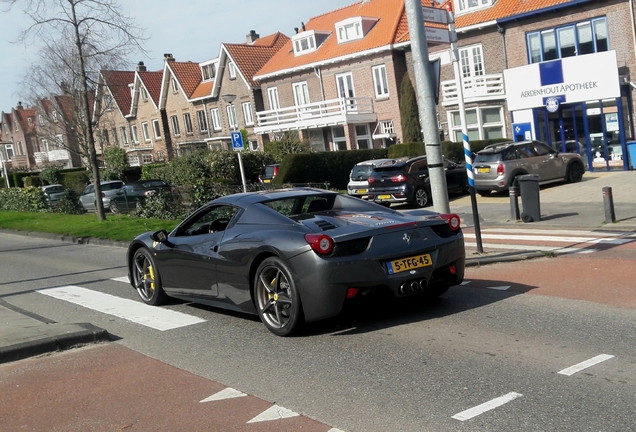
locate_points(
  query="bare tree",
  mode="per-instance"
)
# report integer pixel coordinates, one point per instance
(99, 35)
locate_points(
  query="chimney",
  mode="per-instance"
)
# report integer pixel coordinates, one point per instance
(19, 107)
(251, 38)
(141, 67)
(168, 57)
(296, 30)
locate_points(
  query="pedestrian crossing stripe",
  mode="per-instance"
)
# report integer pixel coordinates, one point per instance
(547, 238)
(553, 249)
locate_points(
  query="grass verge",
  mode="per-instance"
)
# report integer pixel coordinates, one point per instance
(115, 227)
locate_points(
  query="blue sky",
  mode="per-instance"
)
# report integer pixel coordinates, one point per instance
(188, 29)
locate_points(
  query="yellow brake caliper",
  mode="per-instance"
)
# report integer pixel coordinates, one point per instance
(152, 277)
(269, 296)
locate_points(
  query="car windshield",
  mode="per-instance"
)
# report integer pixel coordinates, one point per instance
(361, 172)
(154, 183)
(488, 157)
(390, 170)
(269, 171)
(111, 186)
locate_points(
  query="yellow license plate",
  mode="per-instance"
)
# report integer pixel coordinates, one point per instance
(266, 181)
(362, 191)
(383, 197)
(483, 170)
(409, 263)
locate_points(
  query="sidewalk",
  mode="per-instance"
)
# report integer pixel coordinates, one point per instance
(563, 206)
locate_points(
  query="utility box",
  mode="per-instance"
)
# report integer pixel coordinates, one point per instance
(529, 188)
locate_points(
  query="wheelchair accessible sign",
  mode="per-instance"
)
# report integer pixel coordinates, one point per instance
(237, 141)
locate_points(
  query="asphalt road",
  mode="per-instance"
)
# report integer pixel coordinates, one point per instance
(507, 339)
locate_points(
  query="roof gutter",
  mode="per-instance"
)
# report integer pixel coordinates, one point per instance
(544, 10)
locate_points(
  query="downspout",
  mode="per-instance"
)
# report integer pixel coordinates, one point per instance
(318, 73)
(502, 32)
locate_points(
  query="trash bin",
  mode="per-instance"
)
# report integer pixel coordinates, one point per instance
(631, 151)
(529, 188)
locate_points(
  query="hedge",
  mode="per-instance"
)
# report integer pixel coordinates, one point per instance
(452, 150)
(22, 199)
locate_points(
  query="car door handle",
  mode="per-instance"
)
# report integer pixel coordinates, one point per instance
(214, 248)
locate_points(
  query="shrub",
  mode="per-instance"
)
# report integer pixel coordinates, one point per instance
(287, 143)
(22, 199)
(69, 203)
(32, 181)
(75, 180)
(50, 176)
(116, 162)
(162, 206)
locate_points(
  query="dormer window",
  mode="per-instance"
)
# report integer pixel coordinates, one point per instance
(464, 6)
(308, 41)
(208, 71)
(354, 28)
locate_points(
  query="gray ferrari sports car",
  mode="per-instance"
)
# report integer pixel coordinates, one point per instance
(297, 255)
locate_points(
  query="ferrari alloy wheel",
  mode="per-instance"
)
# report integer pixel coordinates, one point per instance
(421, 197)
(146, 279)
(277, 299)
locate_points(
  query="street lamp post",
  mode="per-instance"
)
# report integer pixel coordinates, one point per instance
(229, 99)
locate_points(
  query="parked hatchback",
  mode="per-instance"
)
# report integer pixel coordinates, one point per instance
(409, 181)
(134, 194)
(109, 188)
(268, 173)
(498, 166)
(53, 193)
(358, 178)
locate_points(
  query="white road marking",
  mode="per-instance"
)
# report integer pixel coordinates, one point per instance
(465, 283)
(586, 364)
(228, 393)
(130, 310)
(561, 232)
(274, 413)
(555, 249)
(499, 288)
(593, 240)
(123, 279)
(334, 430)
(487, 406)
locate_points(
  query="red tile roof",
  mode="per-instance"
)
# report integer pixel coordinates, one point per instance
(152, 81)
(22, 115)
(117, 82)
(250, 58)
(204, 89)
(188, 74)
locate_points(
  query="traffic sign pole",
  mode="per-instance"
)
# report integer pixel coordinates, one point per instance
(238, 146)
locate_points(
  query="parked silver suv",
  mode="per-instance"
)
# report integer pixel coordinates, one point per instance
(497, 166)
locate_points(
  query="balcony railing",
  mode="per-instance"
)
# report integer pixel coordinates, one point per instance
(475, 89)
(317, 114)
(50, 156)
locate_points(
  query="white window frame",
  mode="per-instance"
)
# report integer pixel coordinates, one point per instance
(124, 136)
(8, 148)
(134, 132)
(174, 121)
(247, 113)
(301, 93)
(44, 145)
(54, 116)
(133, 160)
(146, 158)
(231, 116)
(304, 42)
(467, 6)
(156, 127)
(41, 119)
(472, 61)
(216, 119)
(346, 89)
(366, 136)
(349, 29)
(380, 82)
(203, 121)
(274, 101)
(231, 68)
(59, 141)
(187, 120)
(253, 145)
(161, 156)
(175, 86)
(339, 140)
(208, 71)
(476, 131)
(144, 93)
(146, 130)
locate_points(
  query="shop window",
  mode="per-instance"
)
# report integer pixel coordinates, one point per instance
(580, 38)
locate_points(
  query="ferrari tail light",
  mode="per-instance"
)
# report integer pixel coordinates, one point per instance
(500, 170)
(352, 292)
(371, 180)
(453, 220)
(321, 243)
(398, 178)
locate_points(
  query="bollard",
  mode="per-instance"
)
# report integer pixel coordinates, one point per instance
(608, 203)
(514, 203)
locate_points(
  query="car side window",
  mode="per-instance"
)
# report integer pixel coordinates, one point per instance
(541, 149)
(89, 189)
(511, 155)
(212, 219)
(526, 151)
(418, 166)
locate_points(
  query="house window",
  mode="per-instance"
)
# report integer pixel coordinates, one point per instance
(146, 158)
(304, 42)
(124, 136)
(231, 116)
(134, 134)
(247, 113)
(349, 29)
(20, 150)
(161, 156)
(146, 130)
(462, 6)
(108, 102)
(54, 115)
(44, 146)
(133, 160)
(386, 127)
(59, 141)
(105, 137)
(203, 121)
(471, 61)
(41, 119)
(144, 94)
(380, 83)
(253, 145)
(208, 71)
(345, 89)
(301, 93)
(175, 86)
(339, 138)
(581, 38)
(274, 102)
(156, 128)
(113, 131)
(232, 70)
(216, 119)
(9, 149)
(363, 136)
(187, 121)
(175, 125)
(30, 121)
(482, 123)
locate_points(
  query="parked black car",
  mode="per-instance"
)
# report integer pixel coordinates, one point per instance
(409, 181)
(133, 194)
(268, 173)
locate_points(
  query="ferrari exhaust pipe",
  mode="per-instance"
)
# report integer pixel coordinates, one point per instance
(415, 286)
(423, 284)
(404, 288)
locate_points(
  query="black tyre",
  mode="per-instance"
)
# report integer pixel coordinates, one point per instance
(484, 193)
(421, 197)
(146, 279)
(575, 173)
(276, 298)
(114, 208)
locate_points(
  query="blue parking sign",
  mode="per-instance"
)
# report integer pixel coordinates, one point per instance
(237, 141)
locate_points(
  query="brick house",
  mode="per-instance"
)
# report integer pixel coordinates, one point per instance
(57, 138)
(19, 136)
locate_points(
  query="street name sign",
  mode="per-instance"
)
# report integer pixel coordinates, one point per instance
(435, 15)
